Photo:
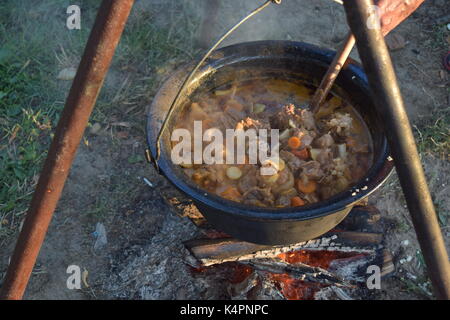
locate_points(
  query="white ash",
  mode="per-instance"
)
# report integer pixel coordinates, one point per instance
(159, 269)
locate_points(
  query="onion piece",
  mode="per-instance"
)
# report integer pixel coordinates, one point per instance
(234, 173)
(285, 134)
(314, 153)
(259, 107)
(342, 150)
(277, 164)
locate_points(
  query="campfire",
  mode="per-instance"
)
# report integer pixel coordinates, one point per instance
(333, 266)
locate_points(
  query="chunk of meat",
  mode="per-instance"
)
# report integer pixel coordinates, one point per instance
(258, 196)
(249, 180)
(206, 178)
(284, 199)
(307, 119)
(325, 156)
(249, 123)
(217, 172)
(326, 191)
(284, 182)
(280, 120)
(289, 110)
(340, 124)
(292, 161)
(312, 170)
(325, 141)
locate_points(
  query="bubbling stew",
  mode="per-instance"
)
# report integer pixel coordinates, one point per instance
(319, 155)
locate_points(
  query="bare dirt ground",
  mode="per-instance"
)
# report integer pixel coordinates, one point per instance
(144, 256)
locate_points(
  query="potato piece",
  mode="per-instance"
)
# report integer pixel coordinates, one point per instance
(259, 107)
(314, 153)
(234, 173)
(284, 182)
(285, 134)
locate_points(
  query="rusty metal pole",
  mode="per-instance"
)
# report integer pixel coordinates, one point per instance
(386, 94)
(104, 37)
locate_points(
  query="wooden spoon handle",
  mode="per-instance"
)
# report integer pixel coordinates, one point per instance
(392, 13)
(333, 71)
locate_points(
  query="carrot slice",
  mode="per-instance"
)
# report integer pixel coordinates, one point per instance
(294, 142)
(231, 193)
(302, 154)
(297, 201)
(308, 187)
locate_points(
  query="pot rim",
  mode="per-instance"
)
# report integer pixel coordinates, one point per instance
(374, 178)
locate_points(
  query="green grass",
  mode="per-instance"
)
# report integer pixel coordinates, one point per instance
(433, 137)
(35, 45)
(24, 131)
(32, 42)
(433, 134)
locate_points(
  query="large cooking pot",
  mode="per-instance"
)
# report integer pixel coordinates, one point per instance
(295, 61)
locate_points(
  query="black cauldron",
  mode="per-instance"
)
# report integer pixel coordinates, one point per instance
(294, 61)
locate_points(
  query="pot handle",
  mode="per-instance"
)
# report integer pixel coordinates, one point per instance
(192, 73)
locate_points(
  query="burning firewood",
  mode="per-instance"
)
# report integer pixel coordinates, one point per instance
(322, 268)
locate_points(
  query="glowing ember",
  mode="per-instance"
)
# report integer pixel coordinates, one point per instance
(241, 272)
(319, 258)
(233, 272)
(290, 287)
(294, 289)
